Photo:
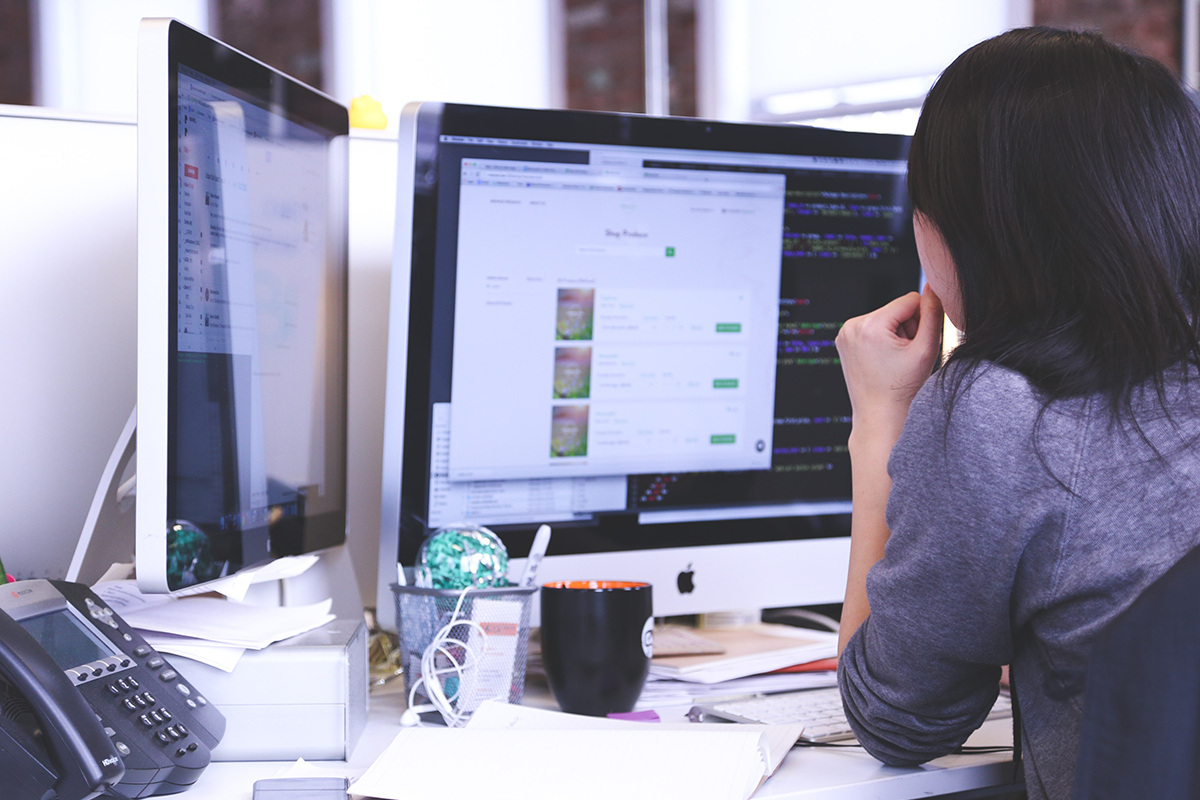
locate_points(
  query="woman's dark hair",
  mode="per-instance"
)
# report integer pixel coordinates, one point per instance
(1063, 173)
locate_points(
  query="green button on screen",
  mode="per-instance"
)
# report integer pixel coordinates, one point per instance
(725, 383)
(729, 327)
(722, 438)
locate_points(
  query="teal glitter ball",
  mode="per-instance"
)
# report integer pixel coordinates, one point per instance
(464, 556)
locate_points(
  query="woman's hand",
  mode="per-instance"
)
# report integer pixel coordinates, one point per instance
(887, 356)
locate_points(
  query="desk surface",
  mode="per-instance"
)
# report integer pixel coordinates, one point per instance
(825, 773)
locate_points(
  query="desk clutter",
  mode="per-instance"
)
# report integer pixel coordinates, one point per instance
(291, 681)
(212, 630)
(733, 662)
(559, 755)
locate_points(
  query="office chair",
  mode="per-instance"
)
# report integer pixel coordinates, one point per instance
(1140, 736)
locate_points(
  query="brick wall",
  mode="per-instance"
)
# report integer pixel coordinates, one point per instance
(16, 59)
(283, 33)
(1150, 26)
(605, 61)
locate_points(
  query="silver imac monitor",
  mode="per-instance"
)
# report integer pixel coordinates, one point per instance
(624, 326)
(242, 277)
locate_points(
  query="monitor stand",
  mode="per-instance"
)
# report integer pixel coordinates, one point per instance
(108, 538)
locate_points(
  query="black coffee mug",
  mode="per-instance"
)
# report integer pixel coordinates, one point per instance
(597, 637)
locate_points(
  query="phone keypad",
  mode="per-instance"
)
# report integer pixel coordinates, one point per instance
(152, 718)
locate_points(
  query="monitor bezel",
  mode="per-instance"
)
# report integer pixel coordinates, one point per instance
(428, 122)
(164, 45)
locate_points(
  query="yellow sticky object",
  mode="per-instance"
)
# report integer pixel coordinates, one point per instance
(367, 112)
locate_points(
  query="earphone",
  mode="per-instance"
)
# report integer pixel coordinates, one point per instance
(430, 678)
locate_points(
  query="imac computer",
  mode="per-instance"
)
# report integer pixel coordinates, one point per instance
(242, 319)
(624, 326)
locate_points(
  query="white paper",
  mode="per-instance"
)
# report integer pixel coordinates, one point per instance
(252, 627)
(812, 646)
(660, 691)
(116, 572)
(222, 656)
(490, 674)
(774, 740)
(124, 597)
(579, 764)
(236, 586)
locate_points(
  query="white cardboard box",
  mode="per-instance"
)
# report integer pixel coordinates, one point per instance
(304, 697)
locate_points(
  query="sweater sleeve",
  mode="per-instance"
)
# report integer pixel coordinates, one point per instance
(968, 492)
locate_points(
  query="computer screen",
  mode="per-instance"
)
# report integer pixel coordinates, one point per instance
(624, 327)
(241, 312)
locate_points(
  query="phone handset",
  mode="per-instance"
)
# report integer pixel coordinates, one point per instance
(85, 759)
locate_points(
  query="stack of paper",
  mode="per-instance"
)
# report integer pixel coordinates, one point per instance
(517, 753)
(749, 650)
(663, 692)
(211, 630)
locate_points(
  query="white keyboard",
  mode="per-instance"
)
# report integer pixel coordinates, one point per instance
(818, 710)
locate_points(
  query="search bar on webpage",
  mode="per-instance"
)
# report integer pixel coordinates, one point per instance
(626, 250)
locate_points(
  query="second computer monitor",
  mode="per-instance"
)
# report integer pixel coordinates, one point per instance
(624, 326)
(242, 287)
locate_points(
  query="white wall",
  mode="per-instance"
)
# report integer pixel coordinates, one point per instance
(461, 51)
(372, 220)
(68, 328)
(86, 50)
(465, 51)
(68, 289)
(749, 50)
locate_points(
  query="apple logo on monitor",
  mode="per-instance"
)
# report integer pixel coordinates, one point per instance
(684, 581)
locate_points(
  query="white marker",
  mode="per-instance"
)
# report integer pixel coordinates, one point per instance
(536, 553)
(400, 580)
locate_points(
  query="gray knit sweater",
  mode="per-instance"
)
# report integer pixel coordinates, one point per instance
(1016, 536)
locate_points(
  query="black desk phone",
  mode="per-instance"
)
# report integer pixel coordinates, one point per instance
(86, 704)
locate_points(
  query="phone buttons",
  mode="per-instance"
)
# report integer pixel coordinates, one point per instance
(163, 738)
(168, 675)
(123, 749)
(109, 732)
(184, 689)
(100, 613)
(141, 651)
(114, 690)
(129, 704)
(155, 662)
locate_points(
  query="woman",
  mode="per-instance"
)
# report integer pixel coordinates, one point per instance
(1050, 470)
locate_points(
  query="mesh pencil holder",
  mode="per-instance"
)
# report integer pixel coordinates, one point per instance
(489, 639)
